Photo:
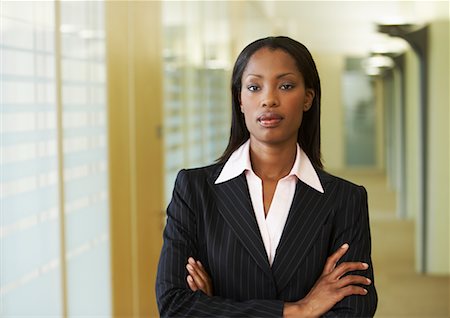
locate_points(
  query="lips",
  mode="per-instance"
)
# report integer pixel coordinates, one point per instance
(270, 119)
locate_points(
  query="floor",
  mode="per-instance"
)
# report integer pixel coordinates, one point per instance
(402, 292)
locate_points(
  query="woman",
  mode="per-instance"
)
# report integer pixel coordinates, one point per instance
(265, 231)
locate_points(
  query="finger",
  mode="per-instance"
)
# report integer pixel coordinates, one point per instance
(353, 280)
(191, 283)
(198, 280)
(198, 268)
(200, 265)
(334, 258)
(205, 276)
(352, 290)
(201, 272)
(346, 267)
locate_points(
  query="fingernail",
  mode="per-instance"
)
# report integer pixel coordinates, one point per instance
(369, 281)
(365, 291)
(198, 262)
(345, 245)
(365, 265)
(191, 260)
(189, 267)
(190, 279)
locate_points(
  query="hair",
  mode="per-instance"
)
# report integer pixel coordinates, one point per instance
(309, 132)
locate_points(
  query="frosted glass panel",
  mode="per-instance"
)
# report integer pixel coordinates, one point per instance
(359, 103)
(85, 158)
(85, 274)
(30, 280)
(32, 299)
(197, 105)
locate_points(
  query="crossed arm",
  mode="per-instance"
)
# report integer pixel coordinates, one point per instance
(339, 291)
(330, 288)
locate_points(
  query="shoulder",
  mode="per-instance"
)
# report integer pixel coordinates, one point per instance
(196, 184)
(344, 186)
(350, 200)
(201, 174)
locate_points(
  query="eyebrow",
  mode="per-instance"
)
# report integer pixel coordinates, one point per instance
(278, 76)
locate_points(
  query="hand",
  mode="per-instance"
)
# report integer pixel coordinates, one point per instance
(198, 278)
(331, 287)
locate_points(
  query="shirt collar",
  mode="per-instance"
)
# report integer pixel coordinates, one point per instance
(239, 162)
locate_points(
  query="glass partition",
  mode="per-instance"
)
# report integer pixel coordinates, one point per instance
(359, 112)
(54, 221)
(196, 84)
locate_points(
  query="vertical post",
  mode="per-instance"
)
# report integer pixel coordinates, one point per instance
(135, 104)
(400, 64)
(60, 155)
(417, 37)
(419, 42)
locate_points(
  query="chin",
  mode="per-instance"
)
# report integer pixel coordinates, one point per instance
(275, 140)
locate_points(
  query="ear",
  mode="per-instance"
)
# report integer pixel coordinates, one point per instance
(309, 98)
(242, 108)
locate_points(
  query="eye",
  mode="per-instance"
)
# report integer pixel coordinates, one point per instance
(253, 88)
(286, 86)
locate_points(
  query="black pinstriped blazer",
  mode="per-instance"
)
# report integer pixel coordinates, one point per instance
(215, 223)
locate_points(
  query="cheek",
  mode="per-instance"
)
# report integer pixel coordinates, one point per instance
(248, 119)
(300, 119)
(247, 107)
(244, 101)
(297, 115)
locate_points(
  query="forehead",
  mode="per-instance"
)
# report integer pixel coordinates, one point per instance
(267, 60)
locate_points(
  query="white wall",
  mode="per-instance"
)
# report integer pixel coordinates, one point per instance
(412, 99)
(330, 69)
(412, 156)
(438, 152)
(380, 133)
(438, 245)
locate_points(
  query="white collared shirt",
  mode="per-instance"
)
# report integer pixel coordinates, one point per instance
(270, 227)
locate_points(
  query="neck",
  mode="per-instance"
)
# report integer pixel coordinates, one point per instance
(272, 162)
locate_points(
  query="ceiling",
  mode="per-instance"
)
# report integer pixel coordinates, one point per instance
(347, 27)
(337, 27)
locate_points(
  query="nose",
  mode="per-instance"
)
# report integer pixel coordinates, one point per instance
(270, 99)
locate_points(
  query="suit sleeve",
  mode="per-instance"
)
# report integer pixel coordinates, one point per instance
(174, 297)
(353, 228)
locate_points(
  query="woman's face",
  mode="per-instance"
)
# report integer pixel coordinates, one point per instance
(273, 97)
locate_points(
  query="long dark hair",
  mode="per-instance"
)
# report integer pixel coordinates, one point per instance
(309, 131)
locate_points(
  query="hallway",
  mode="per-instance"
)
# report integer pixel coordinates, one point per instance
(401, 291)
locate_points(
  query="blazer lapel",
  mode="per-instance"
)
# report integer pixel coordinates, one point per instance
(309, 210)
(234, 203)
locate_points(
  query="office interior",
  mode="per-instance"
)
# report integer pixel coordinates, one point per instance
(103, 102)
